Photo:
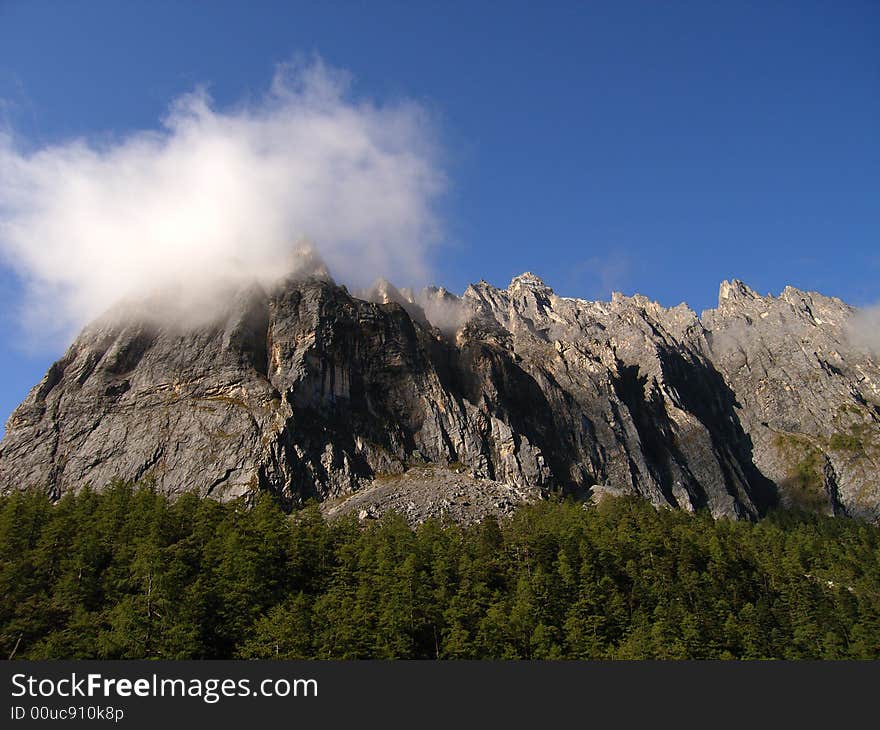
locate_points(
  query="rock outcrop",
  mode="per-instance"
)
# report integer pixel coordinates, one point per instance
(310, 392)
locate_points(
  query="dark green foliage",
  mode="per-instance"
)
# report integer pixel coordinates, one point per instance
(128, 573)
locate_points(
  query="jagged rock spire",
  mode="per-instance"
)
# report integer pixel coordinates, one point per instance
(528, 280)
(305, 261)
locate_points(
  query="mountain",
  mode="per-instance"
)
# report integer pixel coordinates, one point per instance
(469, 405)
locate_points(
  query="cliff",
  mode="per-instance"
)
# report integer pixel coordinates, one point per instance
(498, 396)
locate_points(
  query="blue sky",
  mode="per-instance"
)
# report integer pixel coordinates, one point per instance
(636, 146)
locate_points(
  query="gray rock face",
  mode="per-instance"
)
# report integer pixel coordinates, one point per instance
(499, 395)
(808, 398)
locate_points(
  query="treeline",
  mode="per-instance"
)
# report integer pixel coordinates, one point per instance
(128, 573)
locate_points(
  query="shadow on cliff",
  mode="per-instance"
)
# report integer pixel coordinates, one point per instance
(487, 376)
(703, 392)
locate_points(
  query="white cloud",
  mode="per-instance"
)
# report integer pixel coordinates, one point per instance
(216, 194)
(864, 329)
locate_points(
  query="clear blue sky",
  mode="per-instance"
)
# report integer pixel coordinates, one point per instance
(657, 147)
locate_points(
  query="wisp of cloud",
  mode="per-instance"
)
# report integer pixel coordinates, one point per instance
(863, 329)
(216, 195)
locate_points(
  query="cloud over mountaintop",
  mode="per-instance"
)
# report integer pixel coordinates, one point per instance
(214, 195)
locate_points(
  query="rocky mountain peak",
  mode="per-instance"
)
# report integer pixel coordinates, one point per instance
(304, 262)
(384, 292)
(735, 290)
(530, 281)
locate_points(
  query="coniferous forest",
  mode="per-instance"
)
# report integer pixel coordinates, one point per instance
(128, 573)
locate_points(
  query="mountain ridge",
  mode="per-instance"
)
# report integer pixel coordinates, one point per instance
(308, 391)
